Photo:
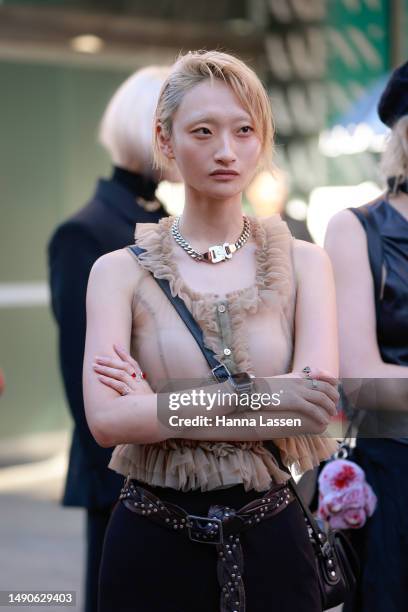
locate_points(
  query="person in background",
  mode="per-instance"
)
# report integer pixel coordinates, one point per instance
(105, 224)
(368, 247)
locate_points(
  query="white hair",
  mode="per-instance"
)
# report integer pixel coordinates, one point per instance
(126, 128)
(394, 161)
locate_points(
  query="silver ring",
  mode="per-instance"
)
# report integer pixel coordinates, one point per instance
(314, 384)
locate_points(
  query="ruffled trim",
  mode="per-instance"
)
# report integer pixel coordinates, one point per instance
(187, 464)
(302, 453)
(274, 280)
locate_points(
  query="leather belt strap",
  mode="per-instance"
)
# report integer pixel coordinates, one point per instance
(221, 527)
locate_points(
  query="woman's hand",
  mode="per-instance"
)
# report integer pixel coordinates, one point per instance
(313, 398)
(123, 374)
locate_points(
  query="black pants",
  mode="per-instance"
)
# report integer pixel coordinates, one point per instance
(382, 544)
(96, 523)
(147, 568)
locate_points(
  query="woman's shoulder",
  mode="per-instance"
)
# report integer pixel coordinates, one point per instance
(117, 269)
(308, 252)
(310, 260)
(344, 228)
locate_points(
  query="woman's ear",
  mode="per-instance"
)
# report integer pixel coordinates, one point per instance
(164, 141)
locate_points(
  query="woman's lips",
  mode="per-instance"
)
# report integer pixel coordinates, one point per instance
(224, 175)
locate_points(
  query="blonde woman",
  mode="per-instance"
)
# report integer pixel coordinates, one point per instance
(106, 223)
(371, 276)
(265, 303)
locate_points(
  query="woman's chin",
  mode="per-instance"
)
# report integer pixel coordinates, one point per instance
(222, 191)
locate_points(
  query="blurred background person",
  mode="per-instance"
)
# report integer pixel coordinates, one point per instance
(105, 224)
(368, 247)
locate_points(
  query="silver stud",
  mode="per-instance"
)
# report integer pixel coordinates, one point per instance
(333, 573)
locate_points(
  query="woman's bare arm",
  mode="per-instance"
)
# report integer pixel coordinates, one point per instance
(316, 342)
(360, 356)
(113, 418)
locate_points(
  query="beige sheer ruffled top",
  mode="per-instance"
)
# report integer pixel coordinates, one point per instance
(254, 323)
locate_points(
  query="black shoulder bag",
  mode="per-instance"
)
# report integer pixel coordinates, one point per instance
(336, 562)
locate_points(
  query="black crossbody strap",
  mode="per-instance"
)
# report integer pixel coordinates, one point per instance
(218, 369)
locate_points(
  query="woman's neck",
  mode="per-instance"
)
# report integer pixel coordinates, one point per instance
(206, 221)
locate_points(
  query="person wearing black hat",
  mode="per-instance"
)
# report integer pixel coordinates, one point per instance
(105, 224)
(371, 276)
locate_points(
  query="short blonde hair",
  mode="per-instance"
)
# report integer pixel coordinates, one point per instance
(126, 127)
(394, 161)
(195, 67)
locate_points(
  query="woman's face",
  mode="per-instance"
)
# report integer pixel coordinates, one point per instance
(213, 141)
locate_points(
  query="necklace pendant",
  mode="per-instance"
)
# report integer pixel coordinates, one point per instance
(219, 252)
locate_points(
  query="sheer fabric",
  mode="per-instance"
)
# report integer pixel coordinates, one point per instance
(254, 319)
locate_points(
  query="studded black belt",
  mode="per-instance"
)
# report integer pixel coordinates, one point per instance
(221, 527)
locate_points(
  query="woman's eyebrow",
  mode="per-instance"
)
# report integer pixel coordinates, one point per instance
(213, 119)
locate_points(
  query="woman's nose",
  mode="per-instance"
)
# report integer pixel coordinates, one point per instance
(225, 152)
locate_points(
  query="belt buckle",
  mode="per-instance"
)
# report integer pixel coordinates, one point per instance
(220, 378)
(209, 528)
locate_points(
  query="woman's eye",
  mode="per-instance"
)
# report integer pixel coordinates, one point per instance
(202, 130)
(246, 129)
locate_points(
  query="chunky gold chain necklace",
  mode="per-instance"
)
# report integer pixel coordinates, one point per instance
(215, 253)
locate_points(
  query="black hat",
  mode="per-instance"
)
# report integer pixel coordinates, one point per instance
(393, 103)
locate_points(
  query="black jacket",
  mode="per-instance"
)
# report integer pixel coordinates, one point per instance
(105, 224)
